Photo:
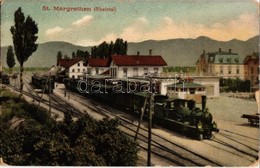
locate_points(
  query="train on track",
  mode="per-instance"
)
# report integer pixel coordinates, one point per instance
(43, 82)
(4, 78)
(175, 114)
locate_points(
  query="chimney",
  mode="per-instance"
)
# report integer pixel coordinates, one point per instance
(138, 53)
(150, 52)
(219, 49)
(230, 50)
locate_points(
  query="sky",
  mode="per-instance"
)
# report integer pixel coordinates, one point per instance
(135, 20)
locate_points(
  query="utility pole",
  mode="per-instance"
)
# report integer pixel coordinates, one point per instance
(50, 94)
(141, 117)
(150, 122)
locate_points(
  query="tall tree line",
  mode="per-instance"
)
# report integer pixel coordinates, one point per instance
(78, 54)
(105, 50)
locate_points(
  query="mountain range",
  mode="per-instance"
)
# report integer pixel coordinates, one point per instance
(176, 52)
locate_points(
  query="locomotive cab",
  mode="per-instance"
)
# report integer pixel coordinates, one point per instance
(184, 116)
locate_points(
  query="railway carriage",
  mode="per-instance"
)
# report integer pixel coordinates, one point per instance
(172, 113)
(45, 83)
(4, 78)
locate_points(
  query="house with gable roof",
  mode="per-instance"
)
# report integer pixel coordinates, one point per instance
(123, 66)
(97, 66)
(74, 68)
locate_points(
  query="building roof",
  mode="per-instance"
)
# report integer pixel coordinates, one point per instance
(99, 62)
(186, 85)
(138, 60)
(254, 57)
(223, 53)
(224, 57)
(66, 63)
(220, 52)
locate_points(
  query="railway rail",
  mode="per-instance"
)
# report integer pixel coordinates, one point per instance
(162, 148)
(168, 153)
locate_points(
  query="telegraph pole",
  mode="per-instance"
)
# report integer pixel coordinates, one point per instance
(50, 94)
(150, 122)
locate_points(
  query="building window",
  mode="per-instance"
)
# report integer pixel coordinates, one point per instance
(89, 71)
(229, 70)
(114, 72)
(96, 70)
(211, 58)
(83, 70)
(78, 64)
(73, 76)
(135, 71)
(124, 72)
(145, 71)
(221, 69)
(238, 70)
(78, 70)
(73, 70)
(155, 71)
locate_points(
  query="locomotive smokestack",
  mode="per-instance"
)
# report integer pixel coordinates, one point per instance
(203, 102)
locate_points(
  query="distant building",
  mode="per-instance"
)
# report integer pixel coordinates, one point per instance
(211, 84)
(251, 66)
(221, 63)
(186, 90)
(123, 66)
(74, 68)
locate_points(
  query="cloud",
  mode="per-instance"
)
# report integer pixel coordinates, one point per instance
(136, 30)
(89, 42)
(54, 31)
(69, 33)
(243, 27)
(83, 21)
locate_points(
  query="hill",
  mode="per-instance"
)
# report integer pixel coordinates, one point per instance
(176, 52)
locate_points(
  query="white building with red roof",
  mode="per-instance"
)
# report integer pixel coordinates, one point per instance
(74, 68)
(97, 66)
(136, 65)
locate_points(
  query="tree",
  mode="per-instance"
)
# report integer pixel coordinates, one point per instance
(59, 55)
(66, 56)
(105, 50)
(73, 55)
(120, 47)
(24, 34)
(10, 58)
(40, 140)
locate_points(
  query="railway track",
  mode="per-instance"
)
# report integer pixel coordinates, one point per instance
(162, 148)
(158, 149)
(166, 152)
(237, 144)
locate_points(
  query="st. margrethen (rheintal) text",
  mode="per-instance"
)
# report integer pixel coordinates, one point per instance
(79, 9)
